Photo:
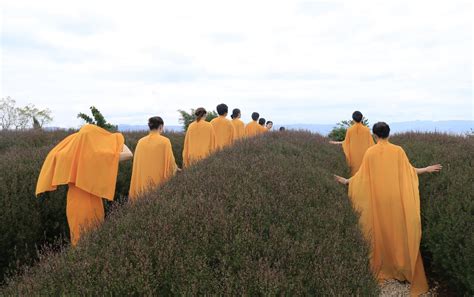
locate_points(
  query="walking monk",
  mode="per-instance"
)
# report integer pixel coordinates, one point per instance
(262, 127)
(223, 128)
(199, 141)
(153, 163)
(358, 140)
(86, 161)
(253, 128)
(239, 126)
(385, 192)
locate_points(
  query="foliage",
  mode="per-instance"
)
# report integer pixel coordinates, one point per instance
(233, 225)
(187, 118)
(338, 133)
(22, 118)
(97, 119)
(28, 222)
(447, 206)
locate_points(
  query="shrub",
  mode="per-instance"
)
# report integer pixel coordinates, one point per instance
(447, 206)
(28, 222)
(234, 224)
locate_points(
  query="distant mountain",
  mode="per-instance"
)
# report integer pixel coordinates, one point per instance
(452, 127)
(126, 128)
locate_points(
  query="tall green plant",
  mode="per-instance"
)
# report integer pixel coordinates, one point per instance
(98, 119)
(338, 133)
(187, 118)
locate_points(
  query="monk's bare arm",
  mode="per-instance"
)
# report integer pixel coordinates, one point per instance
(126, 154)
(335, 142)
(429, 169)
(341, 180)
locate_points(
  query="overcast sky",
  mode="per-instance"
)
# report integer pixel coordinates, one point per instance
(293, 61)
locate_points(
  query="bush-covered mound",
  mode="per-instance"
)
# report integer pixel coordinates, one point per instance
(28, 222)
(447, 206)
(264, 217)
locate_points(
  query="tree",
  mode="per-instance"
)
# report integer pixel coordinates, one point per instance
(98, 119)
(338, 133)
(22, 117)
(187, 118)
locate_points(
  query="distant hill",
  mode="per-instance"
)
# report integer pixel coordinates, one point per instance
(452, 127)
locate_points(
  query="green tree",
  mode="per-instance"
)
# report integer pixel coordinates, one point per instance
(187, 118)
(97, 119)
(338, 133)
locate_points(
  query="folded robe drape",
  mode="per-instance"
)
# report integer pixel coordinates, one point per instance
(385, 192)
(358, 139)
(87, 161)
(153, 164)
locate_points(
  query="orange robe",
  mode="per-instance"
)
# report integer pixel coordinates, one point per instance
(252, 129)
(153, 164)
(263, 129)
(385, 192)
(199, 142)
(224, 131)
(239, 128)
(87, 161)
(358, 140)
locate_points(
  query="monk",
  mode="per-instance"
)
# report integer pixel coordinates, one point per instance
(200, 139)
(223, 128)
(239, 126)
(253, 128)
(358, 139)
(86, 161)
(153, 162)
(262, 128)
(385, 192)
(269, 125)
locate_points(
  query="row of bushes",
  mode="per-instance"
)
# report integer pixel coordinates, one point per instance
(236, 224)
(447, 204)
(27, 222)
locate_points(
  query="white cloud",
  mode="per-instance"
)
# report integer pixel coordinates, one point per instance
(294, 61)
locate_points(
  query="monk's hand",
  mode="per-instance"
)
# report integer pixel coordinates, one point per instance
(341, 180)
(434, 168)
(179, 170)
(334, 142)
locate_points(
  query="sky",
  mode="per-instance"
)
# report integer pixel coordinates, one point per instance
(294, 61)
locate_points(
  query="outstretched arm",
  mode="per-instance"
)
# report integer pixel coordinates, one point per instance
(335, 142)
(429, 169)
(125, 154)
(341, 180)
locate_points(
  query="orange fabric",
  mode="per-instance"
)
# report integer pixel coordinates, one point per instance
(199, 142)
(84, 211)
(89, 159)
(224, 131)
(252, 129)
(263, 129)
(153, 164)
(358, 140)
(385, 192)
(239, 128)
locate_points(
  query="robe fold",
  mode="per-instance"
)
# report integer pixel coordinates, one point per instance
(153, 164)
(199, 142)
(239, 128)
(86, 161)
(385, 192)
(224, 131)
(252, 129)
(358, 139)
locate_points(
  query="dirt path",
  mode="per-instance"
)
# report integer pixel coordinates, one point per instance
(394, 288)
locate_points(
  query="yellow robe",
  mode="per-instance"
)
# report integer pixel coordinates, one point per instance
(224, 131)
(153, 164)
(252, 129)
(385, 192)
(239, 128)
(199, 142)
(358, 140)
(263, 129)
(87, 161)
